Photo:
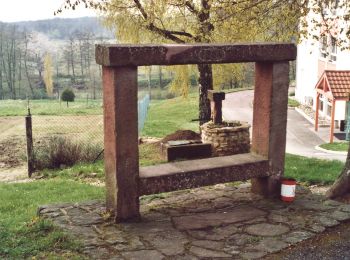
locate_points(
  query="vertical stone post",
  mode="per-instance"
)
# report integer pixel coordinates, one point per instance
(270, 122)
(317, 110)
(30, 150)
(331, 137)
(216, 99)
(121, 141)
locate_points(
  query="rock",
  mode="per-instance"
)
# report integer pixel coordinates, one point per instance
(317, 228)
(232, 250)
(132, 243)
(278, 218)
(297, 236)
(267, 230)
(143, 254)
(215, 234)
(328, 222)
(87, 219)
(345, 208)
(169, 243)
(271, 245)
(310, 204)
(208, 244)
(240, 239)
(340, 215)
(253, 254)
(206, 253)
(332, 203)
(205, 220)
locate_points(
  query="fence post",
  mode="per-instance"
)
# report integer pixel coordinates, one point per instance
(29, 137)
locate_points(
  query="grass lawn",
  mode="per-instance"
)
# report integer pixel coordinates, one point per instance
(293, 103)
(337, 146)
(22, 235)
(50, 107)
(167, 116)
(312, 170)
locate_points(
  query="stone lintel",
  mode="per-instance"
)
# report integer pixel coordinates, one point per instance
(179, 54)
(202, 172)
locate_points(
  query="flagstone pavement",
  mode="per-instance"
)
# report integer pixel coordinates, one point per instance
(224, 221)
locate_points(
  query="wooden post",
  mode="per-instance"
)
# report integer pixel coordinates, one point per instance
(317, 112)
(270, 122)
(216, 99)
(121, 141)
(29, 138)
(332, 122)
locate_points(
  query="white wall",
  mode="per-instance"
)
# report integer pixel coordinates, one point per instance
(343, 60)
(307, 70)
(340, 107)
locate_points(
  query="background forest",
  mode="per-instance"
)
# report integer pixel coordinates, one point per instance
(38, 59)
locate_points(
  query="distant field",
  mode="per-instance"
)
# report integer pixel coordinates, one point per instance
(50, 107)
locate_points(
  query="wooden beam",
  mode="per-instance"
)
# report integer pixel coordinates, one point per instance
(332, 122)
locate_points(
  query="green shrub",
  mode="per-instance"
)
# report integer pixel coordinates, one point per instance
(59, 152)
(67, 95)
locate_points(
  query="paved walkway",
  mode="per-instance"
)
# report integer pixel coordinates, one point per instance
(301, 138)
(221, 221)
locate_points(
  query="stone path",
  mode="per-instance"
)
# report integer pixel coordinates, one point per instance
(222, 221)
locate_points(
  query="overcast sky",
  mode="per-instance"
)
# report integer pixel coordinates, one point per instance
(25, 10)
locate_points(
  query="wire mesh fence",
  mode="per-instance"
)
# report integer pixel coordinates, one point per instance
(78, 123)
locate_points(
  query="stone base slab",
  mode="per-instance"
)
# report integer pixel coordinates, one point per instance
(221, 221)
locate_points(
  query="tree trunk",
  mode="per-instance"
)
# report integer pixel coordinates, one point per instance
(341, 186)
(205, 81)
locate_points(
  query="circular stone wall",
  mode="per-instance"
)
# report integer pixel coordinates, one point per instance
(227, 138)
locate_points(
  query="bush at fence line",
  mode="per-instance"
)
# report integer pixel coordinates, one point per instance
(60, 151)
(68, 95)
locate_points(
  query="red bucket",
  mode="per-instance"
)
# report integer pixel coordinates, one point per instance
(288, 189)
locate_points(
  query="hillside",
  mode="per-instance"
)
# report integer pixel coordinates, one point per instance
(62, 28)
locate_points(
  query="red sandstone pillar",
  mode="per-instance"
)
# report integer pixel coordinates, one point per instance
(270, 122)
(121, 153)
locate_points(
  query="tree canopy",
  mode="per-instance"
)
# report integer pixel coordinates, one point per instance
(206, 21)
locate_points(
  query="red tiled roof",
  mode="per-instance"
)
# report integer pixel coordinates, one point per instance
(338, 82)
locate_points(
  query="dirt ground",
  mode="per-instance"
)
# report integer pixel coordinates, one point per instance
(12, 149)
(13, 144)
(12, 152)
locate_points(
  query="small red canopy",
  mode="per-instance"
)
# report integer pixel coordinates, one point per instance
(334, 85)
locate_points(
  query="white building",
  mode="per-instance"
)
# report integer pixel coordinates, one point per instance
(316, 56)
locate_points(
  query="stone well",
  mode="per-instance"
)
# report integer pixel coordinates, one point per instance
(227, 138)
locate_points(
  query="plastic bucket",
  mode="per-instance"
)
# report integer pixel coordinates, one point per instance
(288, 190)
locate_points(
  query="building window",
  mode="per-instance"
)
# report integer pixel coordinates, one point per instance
(329, 110)
(321, 103)
(328, 48)
(334, 7)
(323, 46)
(333, 49)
